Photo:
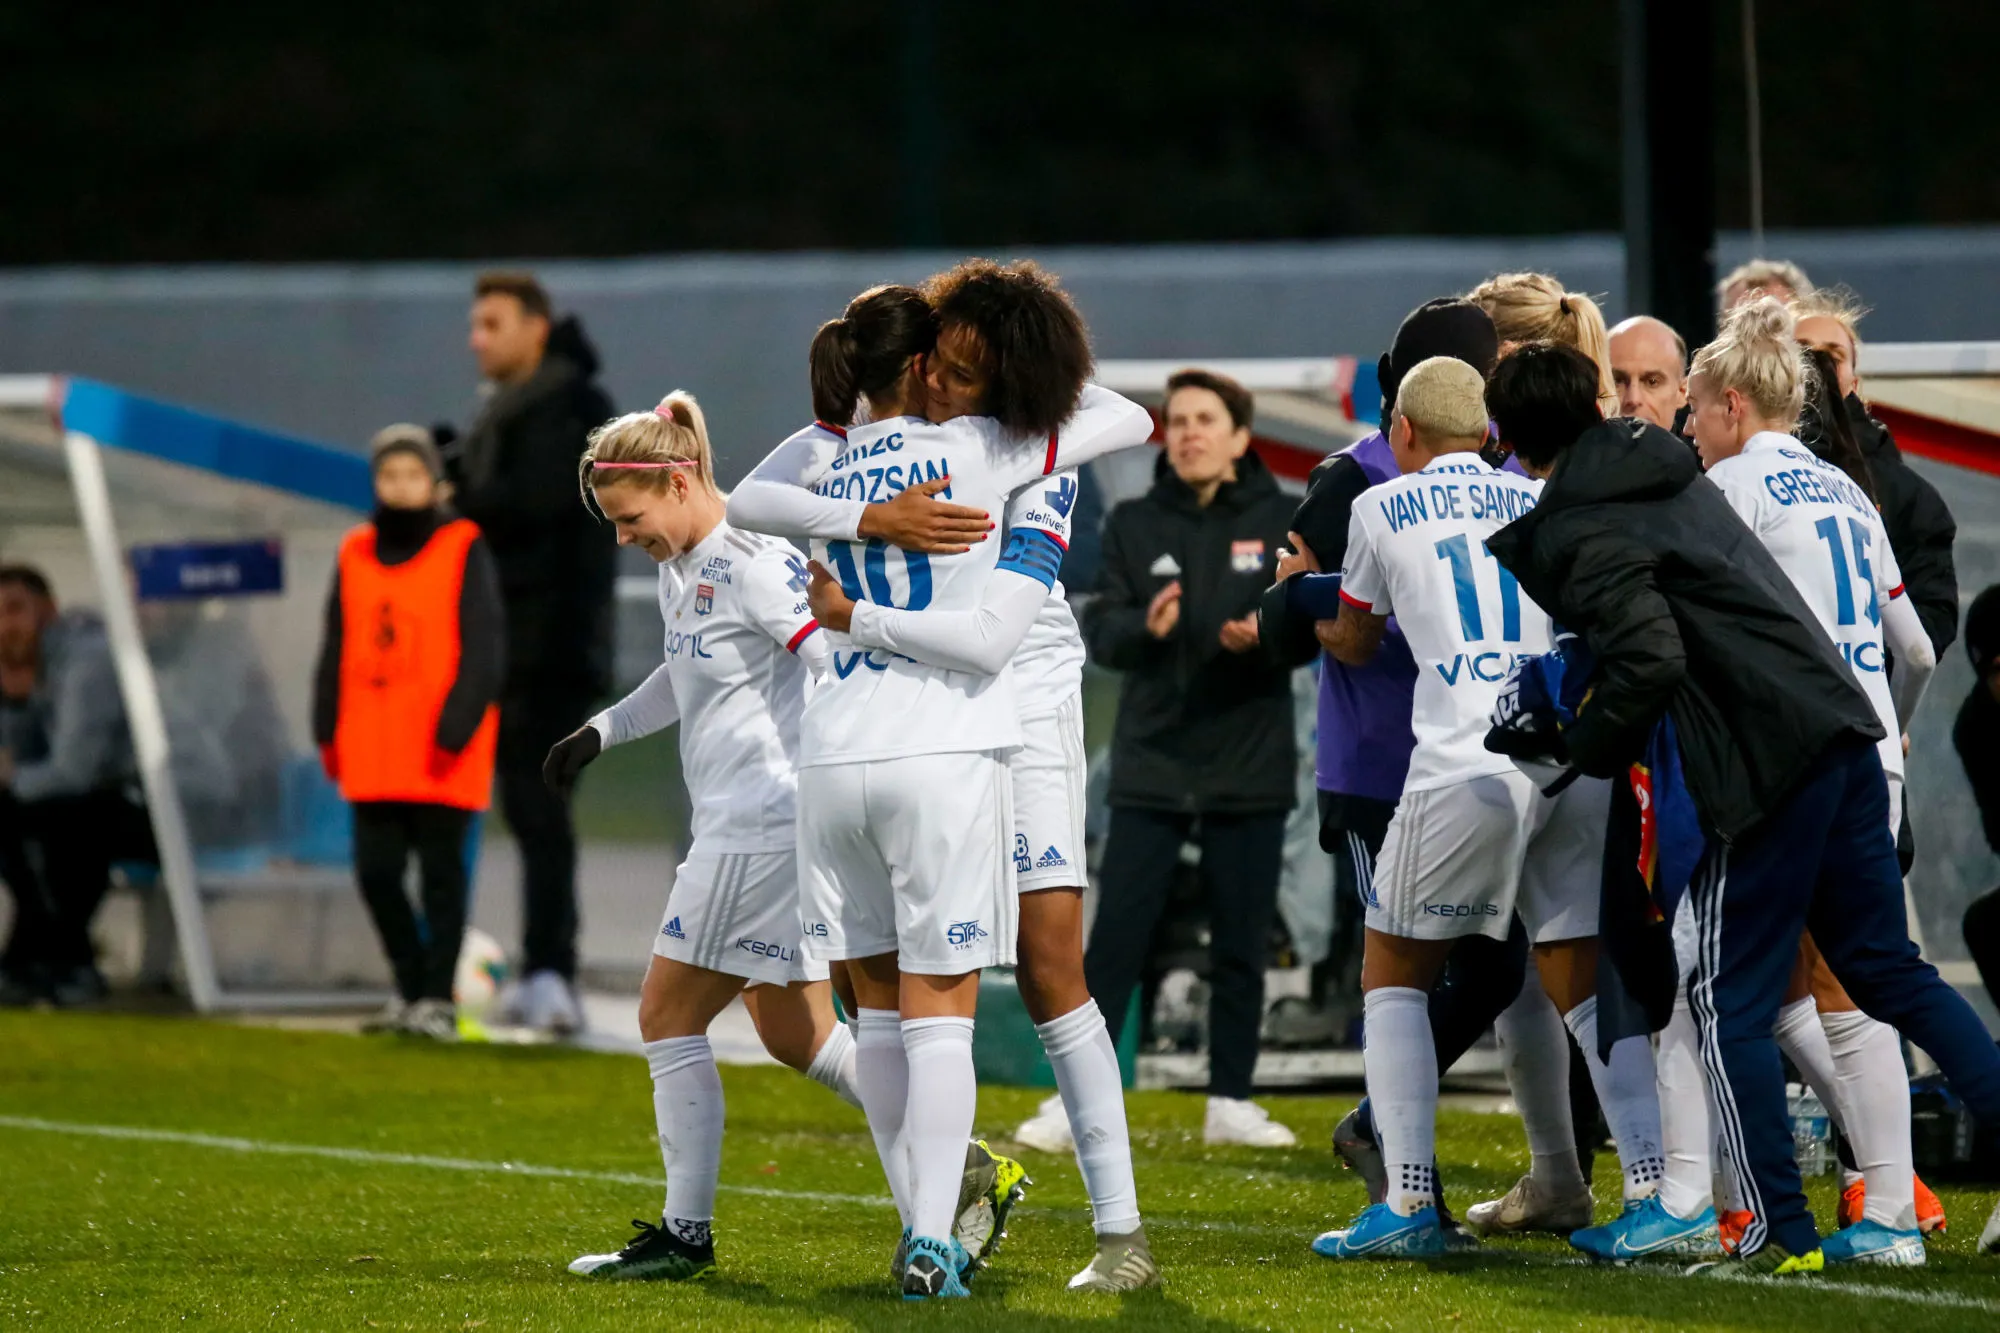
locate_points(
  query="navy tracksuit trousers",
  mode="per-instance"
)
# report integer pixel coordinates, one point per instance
(1823, 861)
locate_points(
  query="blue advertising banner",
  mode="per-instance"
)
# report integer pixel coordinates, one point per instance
(184, 570)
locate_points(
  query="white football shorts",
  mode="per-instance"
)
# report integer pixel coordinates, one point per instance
(909, 856)
(1049, 771)
(1461, 860)
(738, 912)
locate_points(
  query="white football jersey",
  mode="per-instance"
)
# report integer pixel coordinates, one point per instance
(876, 704)
(1830, 541)
(736, 614)
(1048, 666)
(1416, 549)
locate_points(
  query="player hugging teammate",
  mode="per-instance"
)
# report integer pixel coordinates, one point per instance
(950, 731)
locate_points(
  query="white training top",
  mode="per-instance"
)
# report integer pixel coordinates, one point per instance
(1829, 539)
(740, 640)
(878, 703)
(1416, 549)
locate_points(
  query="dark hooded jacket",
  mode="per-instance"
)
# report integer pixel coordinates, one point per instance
(1200, 729)
(515, 474)
(1687, 614)
(1920, 526)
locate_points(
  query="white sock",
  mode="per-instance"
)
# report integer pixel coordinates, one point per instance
(944, 1096)
(1803, 1041)
(687, 1108)
(1687, 1136)
(1534, 1050)
(1630, 1096)
(1400, 1058)
(833, 1065)
(1876, 1090)
(1093, 1097)
(882, 1078)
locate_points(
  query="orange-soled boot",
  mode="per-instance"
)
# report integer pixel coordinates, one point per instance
(1930, 1209)
(1853, 1202)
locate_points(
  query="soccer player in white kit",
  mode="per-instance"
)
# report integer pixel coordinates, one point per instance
(906, 821)
(1746, 393)
(739, 649)
(1024, 624)
(1473, 840)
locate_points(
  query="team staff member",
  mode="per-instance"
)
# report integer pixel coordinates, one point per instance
(1921, 528)
(1649, 370)
(404, 714)
(514, 471)
(1204, 731)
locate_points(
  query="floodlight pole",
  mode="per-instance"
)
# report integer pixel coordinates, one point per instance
(141, 696)
(1667, 56)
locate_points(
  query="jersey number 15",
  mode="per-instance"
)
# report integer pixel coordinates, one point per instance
(1843, 591)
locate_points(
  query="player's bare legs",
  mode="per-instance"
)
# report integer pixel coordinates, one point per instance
(792, 1021)
(1050, 948)
(680, 1000)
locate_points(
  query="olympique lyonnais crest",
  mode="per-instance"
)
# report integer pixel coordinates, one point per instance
(704, 598)
(1246, 557)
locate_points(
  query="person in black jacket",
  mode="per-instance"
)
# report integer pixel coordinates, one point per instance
(1976, 737)
(514, 474)
(1691, 619)
(1921, 528)
(1204, 731)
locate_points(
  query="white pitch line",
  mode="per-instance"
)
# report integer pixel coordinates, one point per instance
(371, 1157)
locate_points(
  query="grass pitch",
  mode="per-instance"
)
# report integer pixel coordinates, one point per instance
(167, 1172)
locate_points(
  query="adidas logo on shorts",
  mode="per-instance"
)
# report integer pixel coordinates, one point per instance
(672, 930)
(1050, 860)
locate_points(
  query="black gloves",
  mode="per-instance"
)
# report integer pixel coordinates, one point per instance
(569, 757)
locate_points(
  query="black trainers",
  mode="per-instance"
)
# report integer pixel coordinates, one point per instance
(654, 1254)
(79, 985)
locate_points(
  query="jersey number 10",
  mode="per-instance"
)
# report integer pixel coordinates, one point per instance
(1458, 550)
(875, 567)
(1843, 591)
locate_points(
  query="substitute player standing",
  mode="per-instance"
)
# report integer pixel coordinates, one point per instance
(1472, 840)
(906, 805)
(740, 645)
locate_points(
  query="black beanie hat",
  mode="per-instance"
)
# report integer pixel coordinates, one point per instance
(1449, 326)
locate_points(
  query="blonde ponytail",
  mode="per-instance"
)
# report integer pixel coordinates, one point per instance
(646, 448)
(1534, 307)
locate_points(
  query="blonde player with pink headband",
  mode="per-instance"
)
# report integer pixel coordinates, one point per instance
(741, 647)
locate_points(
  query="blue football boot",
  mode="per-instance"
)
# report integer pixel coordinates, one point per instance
(1872, 1243)
(931, 1269)
(1646, 1230)
(1380, 1232)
